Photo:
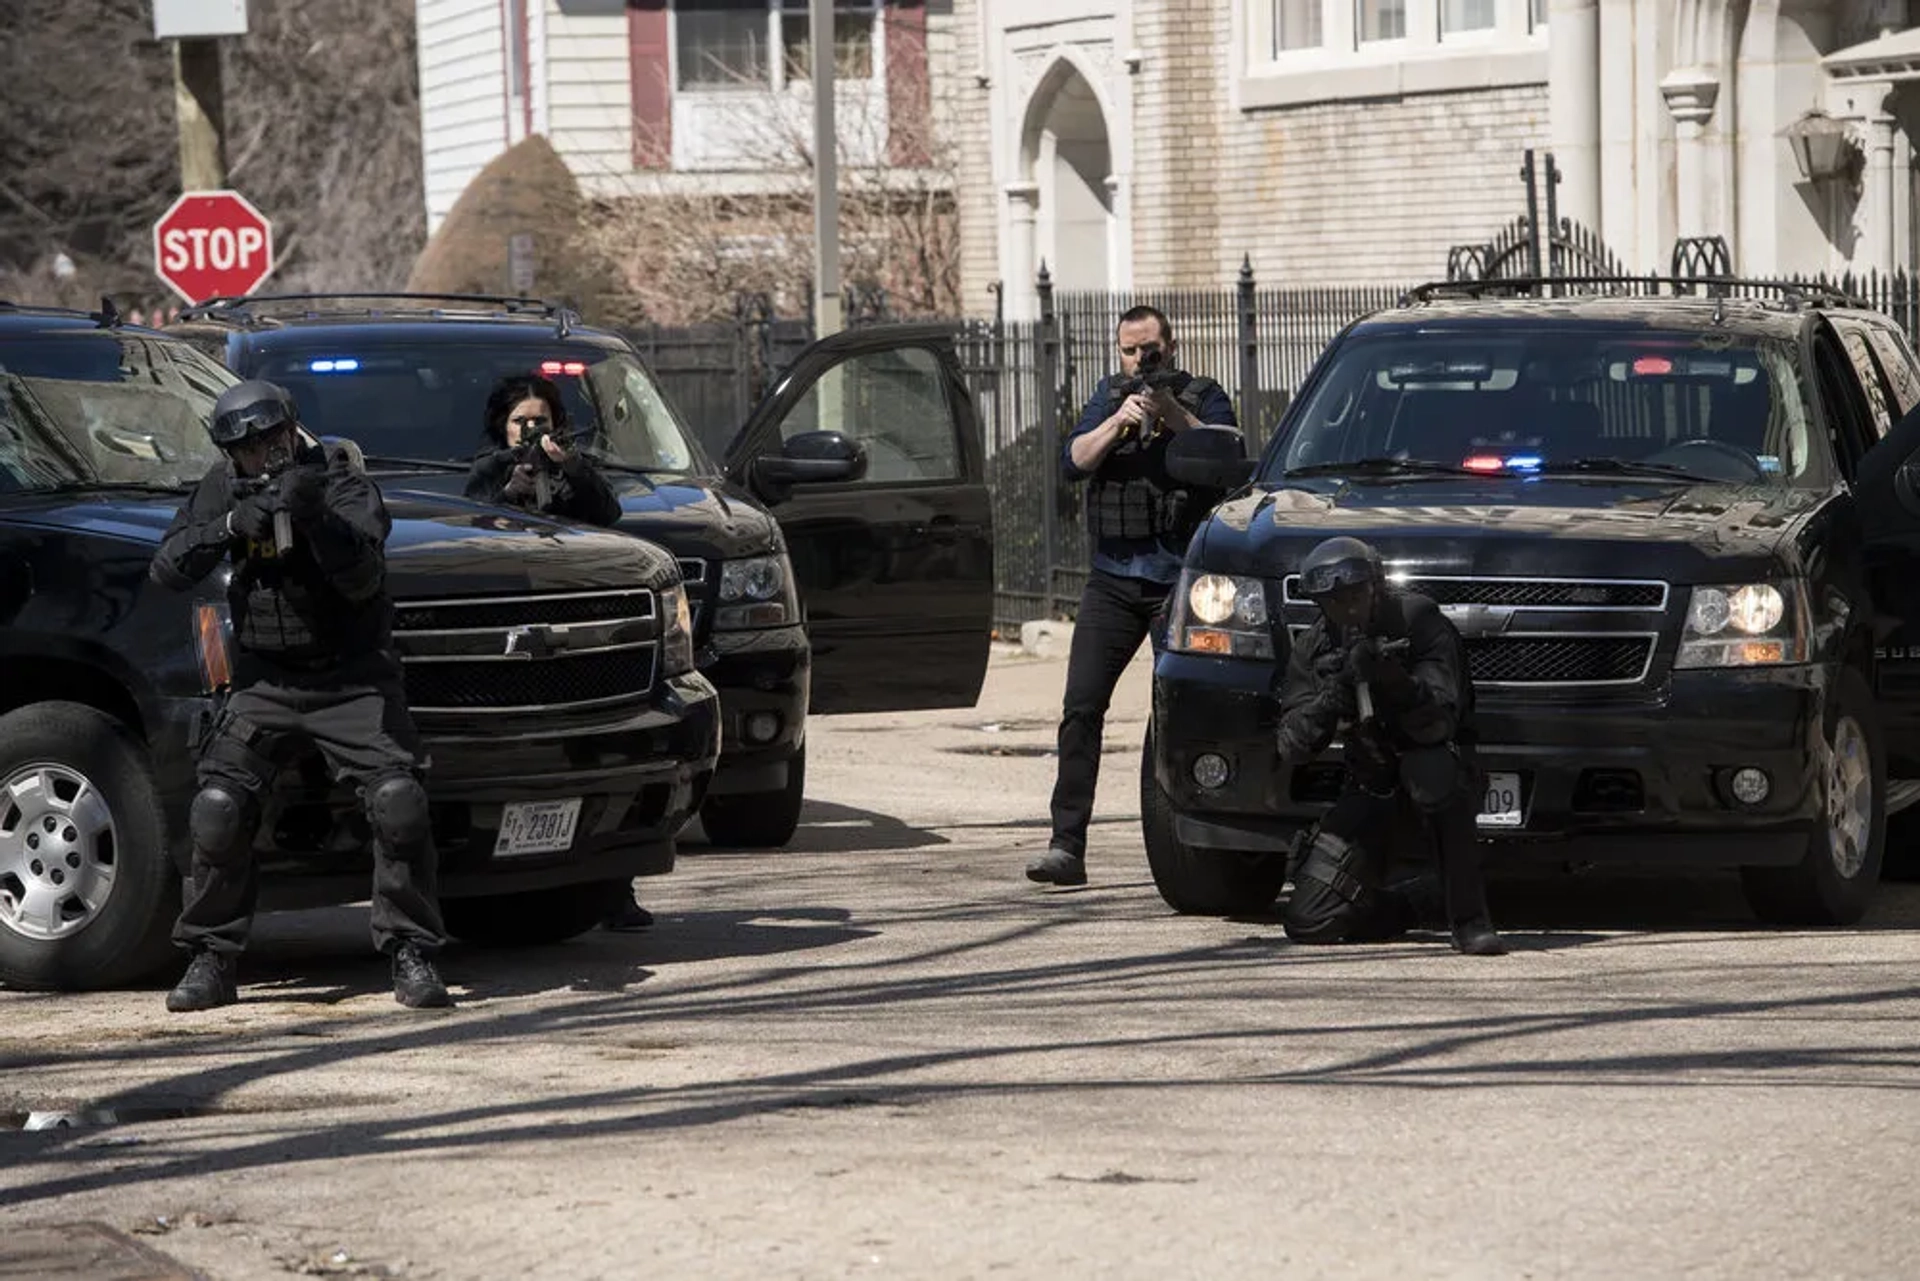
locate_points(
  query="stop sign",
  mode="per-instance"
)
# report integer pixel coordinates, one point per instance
(212, 243)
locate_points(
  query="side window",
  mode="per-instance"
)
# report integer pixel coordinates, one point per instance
(1897, 362)
(1853, 337)
(895, 403)
(1840, 396)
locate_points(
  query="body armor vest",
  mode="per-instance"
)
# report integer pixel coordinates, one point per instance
(1131, 496)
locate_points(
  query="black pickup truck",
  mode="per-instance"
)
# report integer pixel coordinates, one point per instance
(550, 668)
(839, 558)
(1680, 536)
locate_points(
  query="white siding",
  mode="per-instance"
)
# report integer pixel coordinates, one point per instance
(463, 120)
(589, 89)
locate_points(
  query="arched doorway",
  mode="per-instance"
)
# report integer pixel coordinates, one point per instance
(1066, 157)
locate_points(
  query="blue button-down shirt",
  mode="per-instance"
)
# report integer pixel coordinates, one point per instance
(1154, 559)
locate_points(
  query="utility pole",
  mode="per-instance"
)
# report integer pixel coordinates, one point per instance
(199, 104)
(826, 175)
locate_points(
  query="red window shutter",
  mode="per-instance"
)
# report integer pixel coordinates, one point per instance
(651, 62)
(909, 92)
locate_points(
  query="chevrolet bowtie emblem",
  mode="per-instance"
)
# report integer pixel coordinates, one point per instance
(536, 641)
(1481, 619)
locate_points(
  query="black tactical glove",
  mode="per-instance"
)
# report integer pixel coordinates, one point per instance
(252, 515)
(1290, 741)
(304, 491)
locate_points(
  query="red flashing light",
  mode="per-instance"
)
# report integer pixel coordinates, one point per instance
(1652, 365)
(573, 367)
(1485, 462)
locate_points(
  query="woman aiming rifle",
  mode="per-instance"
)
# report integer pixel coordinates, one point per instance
(529, 460)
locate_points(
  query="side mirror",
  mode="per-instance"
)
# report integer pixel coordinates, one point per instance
(811, 458)
(1906, 485)
(1210, 458)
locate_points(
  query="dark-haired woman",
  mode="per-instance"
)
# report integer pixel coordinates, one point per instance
(521, 408)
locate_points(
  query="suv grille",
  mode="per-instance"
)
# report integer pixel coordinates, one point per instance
(559, 652)
(1558, 660)
(526, 686)
(1527, 593)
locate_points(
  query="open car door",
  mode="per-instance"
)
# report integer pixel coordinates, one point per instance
(1886, 486)
(868, 455)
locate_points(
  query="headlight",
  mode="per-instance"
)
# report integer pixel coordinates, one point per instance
(676, 638)
(1219, 614)
(756, 591)
(1747, 625)
(212, 639)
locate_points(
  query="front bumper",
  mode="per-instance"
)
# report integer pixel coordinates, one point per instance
(1639, 778)
(640, 780)
(765, 680)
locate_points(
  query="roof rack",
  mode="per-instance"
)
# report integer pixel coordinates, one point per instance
(247, 308)
(1793, 292)
(107, 317)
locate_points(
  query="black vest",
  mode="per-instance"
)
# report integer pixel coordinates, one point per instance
(1131, 495)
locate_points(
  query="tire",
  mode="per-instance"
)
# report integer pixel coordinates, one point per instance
(758, 820)
(1834, 883)
(108, 921)
(1201, 882)
(531, 919)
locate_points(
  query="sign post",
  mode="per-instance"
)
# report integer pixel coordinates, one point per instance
(212, 244)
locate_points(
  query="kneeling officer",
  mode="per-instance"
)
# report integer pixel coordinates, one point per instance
(1389, 666)
(315, 666)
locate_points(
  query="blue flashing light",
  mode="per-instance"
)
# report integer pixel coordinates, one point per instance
(344, 365)
(1524, 462)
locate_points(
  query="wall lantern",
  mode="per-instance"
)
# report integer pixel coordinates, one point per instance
(1820, 145)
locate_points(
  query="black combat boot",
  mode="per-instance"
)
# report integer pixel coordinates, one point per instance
(1476, 938)
(1061, 867)
(207, 984)
(416, 984)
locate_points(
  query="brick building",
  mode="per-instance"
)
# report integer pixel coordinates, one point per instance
(1153, 143)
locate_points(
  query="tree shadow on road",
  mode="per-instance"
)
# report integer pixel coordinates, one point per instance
(826, 828)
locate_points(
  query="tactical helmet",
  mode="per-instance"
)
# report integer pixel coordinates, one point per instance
(1339, 562)
(248, 409)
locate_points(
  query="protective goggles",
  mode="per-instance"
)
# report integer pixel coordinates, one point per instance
(237, 425)
(1325, 580)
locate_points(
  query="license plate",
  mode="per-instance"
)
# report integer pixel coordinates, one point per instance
(537, 827)
(1500, 807)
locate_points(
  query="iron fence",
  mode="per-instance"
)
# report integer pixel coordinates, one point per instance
(1031, 379)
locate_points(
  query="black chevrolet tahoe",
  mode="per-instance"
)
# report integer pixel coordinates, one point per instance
(839, 558)
(1680, 536)
(550, 670)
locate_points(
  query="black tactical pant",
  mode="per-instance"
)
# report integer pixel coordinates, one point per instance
(365, 735)
(1116, 614)
(1340, 890)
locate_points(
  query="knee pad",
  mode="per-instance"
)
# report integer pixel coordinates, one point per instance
(1332, 861)
(397, 809)
(1434, 778)
(221, 822)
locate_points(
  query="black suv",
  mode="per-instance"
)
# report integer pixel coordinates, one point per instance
(550, 669)
(871, 591)
(1678, 533)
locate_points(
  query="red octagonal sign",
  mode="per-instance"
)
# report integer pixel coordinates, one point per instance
(211, 244)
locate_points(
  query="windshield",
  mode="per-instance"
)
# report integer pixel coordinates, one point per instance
(428, 400)
(1506, 400)
(101, 407)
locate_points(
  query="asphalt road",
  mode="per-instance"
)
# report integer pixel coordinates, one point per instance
(883, 1052)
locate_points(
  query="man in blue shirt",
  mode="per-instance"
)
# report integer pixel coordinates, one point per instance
(1140, 520)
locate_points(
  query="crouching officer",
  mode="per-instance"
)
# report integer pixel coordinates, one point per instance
(1389, 667)
(312, 625)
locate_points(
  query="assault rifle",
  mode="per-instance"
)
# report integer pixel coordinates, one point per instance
(1363, 696)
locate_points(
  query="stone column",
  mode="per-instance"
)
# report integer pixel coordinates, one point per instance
(1573, 105)
(1023, 204)
(1690, 94)
(1118, 277)
(1877, 199)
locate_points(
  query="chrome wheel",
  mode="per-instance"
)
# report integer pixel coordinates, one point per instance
(58, 851)
(1849, 798)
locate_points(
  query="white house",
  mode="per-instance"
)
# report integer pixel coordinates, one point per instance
(638, 93)
(1156, 143)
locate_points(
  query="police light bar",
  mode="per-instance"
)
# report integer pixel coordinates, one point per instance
(341, 365)
(573, 367)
